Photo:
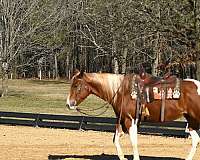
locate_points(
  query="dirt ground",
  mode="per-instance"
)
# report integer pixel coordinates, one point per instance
(28, 143)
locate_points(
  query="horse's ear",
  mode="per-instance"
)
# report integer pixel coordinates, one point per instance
(81, 73)
(76, 72)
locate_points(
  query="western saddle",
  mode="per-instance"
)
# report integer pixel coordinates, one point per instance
(150, 88)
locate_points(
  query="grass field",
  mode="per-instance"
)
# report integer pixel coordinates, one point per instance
(46, 96)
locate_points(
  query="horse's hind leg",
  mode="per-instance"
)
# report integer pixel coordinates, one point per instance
(191, 128)
(195, 140)
(117, 144)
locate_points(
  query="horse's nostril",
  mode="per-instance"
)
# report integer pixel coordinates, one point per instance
(71, 104)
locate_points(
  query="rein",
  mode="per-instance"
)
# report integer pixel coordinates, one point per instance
(85, 111)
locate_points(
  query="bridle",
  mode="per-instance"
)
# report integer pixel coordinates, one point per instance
(106, 105)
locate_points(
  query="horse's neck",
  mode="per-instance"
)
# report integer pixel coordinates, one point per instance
(106, 86)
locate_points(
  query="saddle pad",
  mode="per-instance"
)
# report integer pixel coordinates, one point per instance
(163, 91)
(168, 93)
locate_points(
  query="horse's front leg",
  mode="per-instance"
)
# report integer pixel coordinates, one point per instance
(195, 140)
(117, 144)
(133, 138)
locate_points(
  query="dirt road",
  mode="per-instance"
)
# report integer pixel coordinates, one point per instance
(28, 143)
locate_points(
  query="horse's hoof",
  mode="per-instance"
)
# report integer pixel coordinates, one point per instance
(136, 158)
(123, 158)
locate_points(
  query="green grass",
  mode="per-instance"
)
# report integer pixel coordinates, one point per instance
(46, 96)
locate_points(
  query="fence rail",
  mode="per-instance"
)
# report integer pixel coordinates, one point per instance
(174, 128)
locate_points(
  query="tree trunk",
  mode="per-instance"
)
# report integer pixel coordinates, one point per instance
(155, 65)
(40, 73)
(49, 74)
(115, 63)
(124, 56)
(198, 69)
(157, 57)
(56, 66)
(4, 85)
(197, 31)
(4, 79)
(125, 51)
(156, 48)
(67, 70)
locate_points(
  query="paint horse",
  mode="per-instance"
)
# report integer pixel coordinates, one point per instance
(116, 90)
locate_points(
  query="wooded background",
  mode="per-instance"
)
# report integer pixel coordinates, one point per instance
(49, 39)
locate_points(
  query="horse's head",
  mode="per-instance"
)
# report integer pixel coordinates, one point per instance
(79, 90)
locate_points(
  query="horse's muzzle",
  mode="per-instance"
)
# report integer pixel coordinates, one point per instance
(71, 107)
(70, 104)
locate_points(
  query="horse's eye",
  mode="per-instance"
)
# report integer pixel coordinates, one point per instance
(75, 86)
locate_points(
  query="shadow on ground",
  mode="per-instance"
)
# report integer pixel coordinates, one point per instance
(105, 157)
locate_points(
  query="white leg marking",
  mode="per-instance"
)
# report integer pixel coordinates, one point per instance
(187, 129)
(195, 140)
(197, 83)
(117, 145)
(133, 138)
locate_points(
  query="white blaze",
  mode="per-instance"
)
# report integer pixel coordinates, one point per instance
(68, 103)
(68, 99)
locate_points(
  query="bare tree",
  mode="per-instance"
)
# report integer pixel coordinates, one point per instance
(27, 28)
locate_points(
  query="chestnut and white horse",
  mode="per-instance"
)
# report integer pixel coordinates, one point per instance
(116, 90)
